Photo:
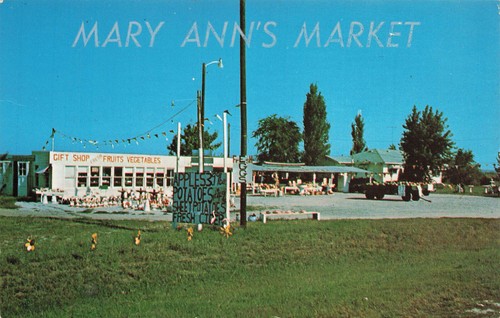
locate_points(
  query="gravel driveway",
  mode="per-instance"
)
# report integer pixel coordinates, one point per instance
(356, 206)
(336, 206)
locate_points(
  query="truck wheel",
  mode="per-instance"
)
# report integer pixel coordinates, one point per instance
(415, 196)
(407, 196)
(369, 196)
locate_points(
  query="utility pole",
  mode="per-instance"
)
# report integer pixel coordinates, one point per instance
(226, 148)
(200, 132)
(202, 115)
(243, 103)
(229, 139)
(201, 108)
(178, 147)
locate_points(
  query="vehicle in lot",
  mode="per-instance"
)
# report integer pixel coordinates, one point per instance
(406, 190)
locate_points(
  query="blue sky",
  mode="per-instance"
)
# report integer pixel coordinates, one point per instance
(50, 79)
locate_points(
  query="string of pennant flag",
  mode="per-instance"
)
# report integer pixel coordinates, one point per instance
(152, 133)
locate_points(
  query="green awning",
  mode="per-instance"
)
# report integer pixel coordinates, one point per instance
(42, 170)
(307, 169)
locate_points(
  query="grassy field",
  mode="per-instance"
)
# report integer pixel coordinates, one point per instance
(476, 191)
(356, 268)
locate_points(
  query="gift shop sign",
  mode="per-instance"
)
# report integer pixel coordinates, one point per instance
(199, 198)
(87, 158)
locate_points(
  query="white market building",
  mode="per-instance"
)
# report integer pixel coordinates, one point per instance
(83, 173)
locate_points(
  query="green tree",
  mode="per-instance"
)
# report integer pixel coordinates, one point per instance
(497, 168)
(463, 170)
(426, 144)
(278, 139)
(316, 128)
(190, 141)
(357, 132)
(392, 147)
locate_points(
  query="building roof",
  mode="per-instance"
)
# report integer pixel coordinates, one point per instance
(384, 156)
(272, 163)
(341, 159)
(310, 169)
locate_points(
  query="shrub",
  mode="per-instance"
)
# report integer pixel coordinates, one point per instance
(7, 202)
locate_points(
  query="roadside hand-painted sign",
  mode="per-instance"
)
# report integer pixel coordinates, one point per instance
(199, 198)
(242, 167)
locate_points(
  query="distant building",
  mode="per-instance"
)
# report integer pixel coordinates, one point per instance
(341, 160)
(15, 175)
(344, 179)
(386, 165)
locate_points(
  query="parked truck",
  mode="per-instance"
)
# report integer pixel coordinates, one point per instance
(406, 190)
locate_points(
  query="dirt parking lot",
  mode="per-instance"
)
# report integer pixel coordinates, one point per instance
(356, 206)
(336, 206)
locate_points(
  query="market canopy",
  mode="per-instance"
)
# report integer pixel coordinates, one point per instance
(306, 169)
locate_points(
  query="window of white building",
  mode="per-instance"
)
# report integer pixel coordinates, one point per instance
(150, 175)
(129, 176)
(69, 176)
(82, 176)
(106, 176)
(160, 176)
(170, 178)
(118, 177)
(94, 176)
(139, 177)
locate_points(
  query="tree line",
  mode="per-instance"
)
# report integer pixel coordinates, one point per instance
(426, 142)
